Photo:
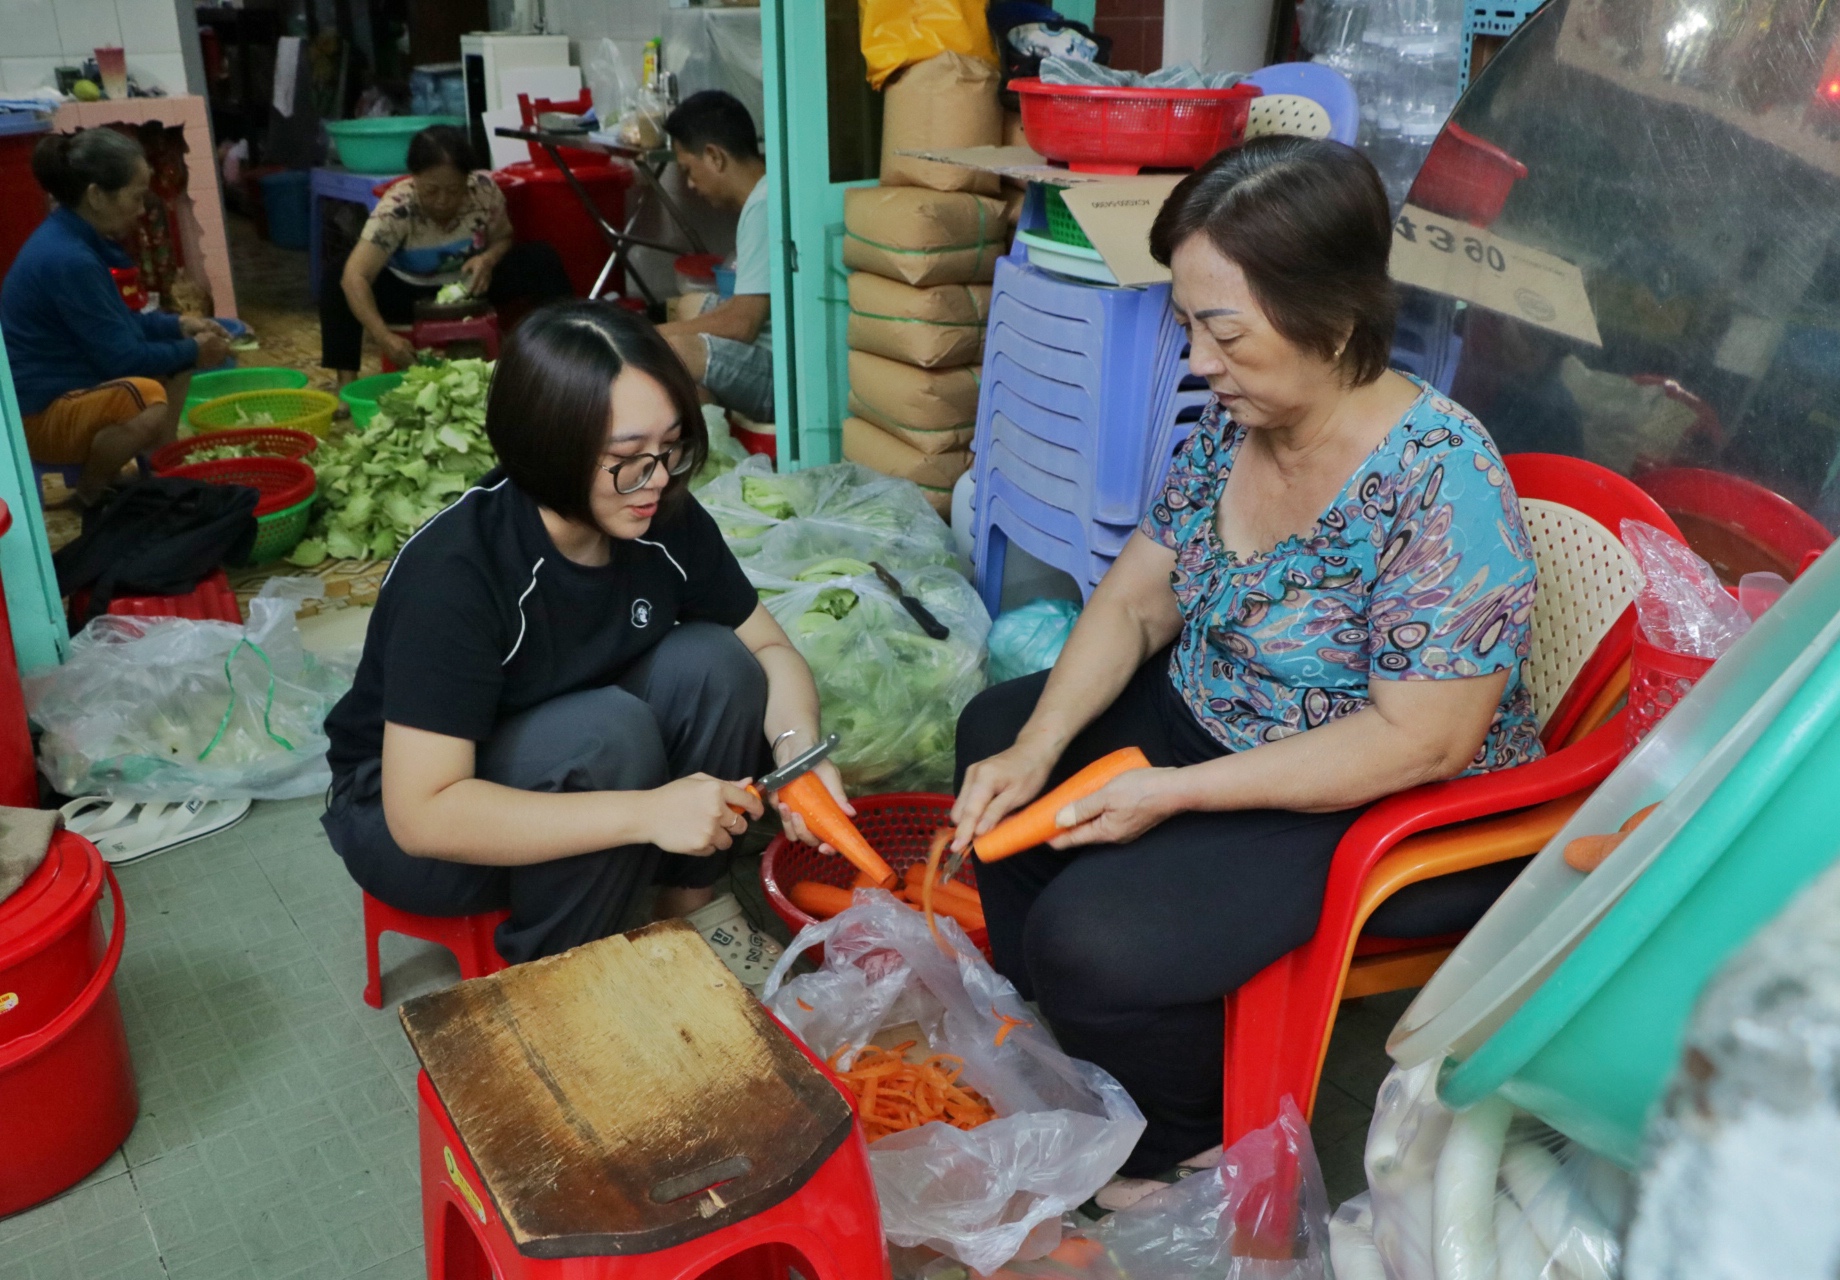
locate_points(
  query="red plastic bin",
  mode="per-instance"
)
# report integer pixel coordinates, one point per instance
(1465, 177)
(270, 442)
(282, 482)
(899, 825)
(1102, 129)
(544, 207)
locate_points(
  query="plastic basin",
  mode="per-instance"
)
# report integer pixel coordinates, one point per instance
(1591, 1012)
(361, 396)
(380, 144)
(229, 382)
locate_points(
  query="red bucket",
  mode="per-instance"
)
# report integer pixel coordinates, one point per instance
(1466, 177)
(64, 1065)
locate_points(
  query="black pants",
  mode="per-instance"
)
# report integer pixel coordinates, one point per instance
(694, 704)
(532, 272)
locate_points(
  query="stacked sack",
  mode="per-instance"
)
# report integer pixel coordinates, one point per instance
(923, 247)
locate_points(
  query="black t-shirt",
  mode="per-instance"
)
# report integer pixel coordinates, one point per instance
(481, 617)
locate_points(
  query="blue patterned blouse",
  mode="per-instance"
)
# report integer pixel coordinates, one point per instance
(1419, 570)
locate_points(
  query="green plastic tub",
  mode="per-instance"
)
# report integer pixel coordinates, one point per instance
(361, 396)
(230, 382)
(1592, 1048)
(380, 144)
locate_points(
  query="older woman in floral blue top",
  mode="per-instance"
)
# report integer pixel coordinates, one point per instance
(1327, 602)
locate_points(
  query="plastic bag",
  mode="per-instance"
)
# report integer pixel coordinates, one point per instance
(889, 691)
(896, 33)
(1682, 606)
(1490, 1192)
(725, 452)
(175, 709)
(1063, 1127)
(610, 86)
(1028, 639)
(1261, 1214)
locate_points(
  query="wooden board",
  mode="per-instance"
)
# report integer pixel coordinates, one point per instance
(602, 1091)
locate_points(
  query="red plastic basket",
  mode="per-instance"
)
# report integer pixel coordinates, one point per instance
(899, 825)
(1465, 177)
(268, 442)
(1658, 679)
(1101, 129)
(282, 482)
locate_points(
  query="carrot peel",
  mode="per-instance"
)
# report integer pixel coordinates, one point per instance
(807, 796)
(1036, 825)
(1010, 1023)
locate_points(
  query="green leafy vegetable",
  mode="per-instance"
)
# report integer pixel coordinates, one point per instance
(451, 293)
(307, 553)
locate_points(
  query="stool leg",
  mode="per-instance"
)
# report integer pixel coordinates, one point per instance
(373, 977)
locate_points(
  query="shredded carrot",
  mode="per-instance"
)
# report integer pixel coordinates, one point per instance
(1009, 1025)
(893, 1095)
(807, 1008)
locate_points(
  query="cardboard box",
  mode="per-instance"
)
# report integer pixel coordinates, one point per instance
(940, 327)
(935, 473)
(934, 410)
(947, 101)
(923, 237)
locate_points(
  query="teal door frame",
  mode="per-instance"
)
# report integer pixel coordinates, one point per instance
(33, 606)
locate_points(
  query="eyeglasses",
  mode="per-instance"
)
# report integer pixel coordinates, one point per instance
(633, 473)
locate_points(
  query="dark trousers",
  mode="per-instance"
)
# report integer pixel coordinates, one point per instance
(1131, 949)
(531, 272)
(695, 704)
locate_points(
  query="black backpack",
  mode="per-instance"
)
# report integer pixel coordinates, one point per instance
(158, 537)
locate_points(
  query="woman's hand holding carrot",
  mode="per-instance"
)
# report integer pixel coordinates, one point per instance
(996, 788)
(1120, 811)
(795, 825)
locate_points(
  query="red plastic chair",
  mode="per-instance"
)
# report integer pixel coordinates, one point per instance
(1738, 526)
(1278, 1024)
(468, 937)
(530, 108)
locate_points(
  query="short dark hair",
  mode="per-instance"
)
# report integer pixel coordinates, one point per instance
(440, 144)
(714, 116)
(546, 413)
(1307, 220)
(68, 164)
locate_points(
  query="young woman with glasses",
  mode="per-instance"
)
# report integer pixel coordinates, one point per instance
(567, 680)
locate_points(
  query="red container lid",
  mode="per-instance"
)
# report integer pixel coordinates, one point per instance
(54, 899)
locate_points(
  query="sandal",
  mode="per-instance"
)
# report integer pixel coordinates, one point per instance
(124, 831)
(749, 954)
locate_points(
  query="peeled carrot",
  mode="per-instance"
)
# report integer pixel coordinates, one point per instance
(807, 796)
(1587, 853)
(915, 875)
(1637, 818)
(893, 1095)
(1036, 824)
(819, 900)
(968, 916)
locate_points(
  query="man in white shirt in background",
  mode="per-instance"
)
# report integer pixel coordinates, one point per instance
(729, 347)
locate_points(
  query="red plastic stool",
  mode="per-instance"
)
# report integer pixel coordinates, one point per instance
(628, 1112)
(480, 329)
(468, 937)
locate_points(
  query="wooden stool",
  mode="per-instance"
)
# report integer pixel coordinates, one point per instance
(626, 1111)
(468, 937)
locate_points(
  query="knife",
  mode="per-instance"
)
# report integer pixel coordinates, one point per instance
(919, 612)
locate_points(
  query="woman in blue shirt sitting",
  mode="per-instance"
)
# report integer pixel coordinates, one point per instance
(1327, 602)
(97, 383)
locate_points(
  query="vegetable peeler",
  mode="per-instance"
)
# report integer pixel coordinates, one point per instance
(802, 763)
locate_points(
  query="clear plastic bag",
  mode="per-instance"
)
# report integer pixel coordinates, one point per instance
(1489, 1193)
(1063, 1127)
(175, 709)
(889, 691)
(1029, 638)
(1682, 606)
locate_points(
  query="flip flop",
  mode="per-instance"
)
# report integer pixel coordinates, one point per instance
(124, 831)
(749, 954)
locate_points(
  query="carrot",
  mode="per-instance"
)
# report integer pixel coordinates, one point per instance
(820, 900)
(893, 1095)
(915, 875)
(1077, 1251)
(1009, 1024)
(807, 1008)
(1587, 853)
(968, 915)
(1637, 818)
(1036, 824)
(929, 879)
(807, 796)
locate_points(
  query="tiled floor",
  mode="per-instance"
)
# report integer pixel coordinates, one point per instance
(277, 1129)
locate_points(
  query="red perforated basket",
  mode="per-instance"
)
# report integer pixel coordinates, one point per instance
(1658, 679)
(1466, 177)
(1102, 129)
(899, 826)
(282, 482)
(266, 442)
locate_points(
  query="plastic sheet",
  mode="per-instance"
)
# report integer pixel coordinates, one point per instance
(1029, 638)
(1682, 607)
(1063, 1126)
(173, 709)
(897, 33)
(890, 692)
(1485, 1194)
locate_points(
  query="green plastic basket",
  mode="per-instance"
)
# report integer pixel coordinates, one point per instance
(380, 144)
(1063, 227)
(230, 382)
(361, 397)
(302, 410)
(280, 532)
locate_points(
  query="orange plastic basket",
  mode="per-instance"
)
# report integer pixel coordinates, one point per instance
(899, 826)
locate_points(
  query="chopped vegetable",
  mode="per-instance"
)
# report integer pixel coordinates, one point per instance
(307, 553)
(224, 452)
(1038, 823)
(894, 1095)
(425, 447)
(448, 294)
